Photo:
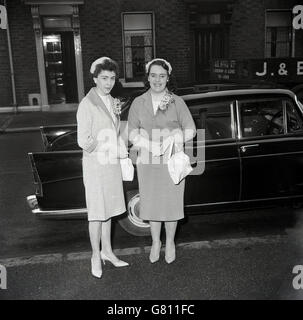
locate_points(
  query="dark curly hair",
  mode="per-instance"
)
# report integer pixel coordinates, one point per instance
(108, 65)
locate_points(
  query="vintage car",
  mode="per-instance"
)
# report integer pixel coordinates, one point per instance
(252, 156)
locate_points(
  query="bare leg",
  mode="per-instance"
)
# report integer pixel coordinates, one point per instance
(107, 251)
(170, 249)
(95, 237)
(106, 239)
(155, 228)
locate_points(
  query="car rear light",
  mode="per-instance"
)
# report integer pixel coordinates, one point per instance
(37, 181)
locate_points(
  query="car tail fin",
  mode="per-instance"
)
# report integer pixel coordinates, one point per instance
(37, 180)
(50, 134)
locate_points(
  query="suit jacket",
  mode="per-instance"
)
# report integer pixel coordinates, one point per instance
(141, 117)
(96, 126)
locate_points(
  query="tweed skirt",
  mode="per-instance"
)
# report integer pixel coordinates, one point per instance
(160, 198)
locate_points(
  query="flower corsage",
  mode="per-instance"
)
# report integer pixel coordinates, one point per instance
(117, 104)
(166, 100)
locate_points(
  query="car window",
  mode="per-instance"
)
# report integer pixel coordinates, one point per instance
(125, 108)
(261, 117)
(294, 120)
(215, 118)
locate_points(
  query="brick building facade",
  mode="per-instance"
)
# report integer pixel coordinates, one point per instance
(186, 32)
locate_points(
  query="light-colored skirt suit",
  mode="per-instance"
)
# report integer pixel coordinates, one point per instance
(101, 169)
(160, 198)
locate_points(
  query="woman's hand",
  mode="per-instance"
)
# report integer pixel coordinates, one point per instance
(109, 149)
(150, 146)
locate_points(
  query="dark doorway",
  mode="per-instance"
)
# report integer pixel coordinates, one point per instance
(209, 44)
(60, 67)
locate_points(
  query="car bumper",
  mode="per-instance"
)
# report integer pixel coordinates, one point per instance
(69, 213)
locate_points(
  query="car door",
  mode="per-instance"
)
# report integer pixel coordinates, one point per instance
(216, 176)
(270, 147)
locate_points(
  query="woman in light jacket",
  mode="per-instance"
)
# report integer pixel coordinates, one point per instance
(98, 135)
(156, 114)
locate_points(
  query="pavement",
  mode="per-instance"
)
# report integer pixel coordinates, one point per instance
(234, 269)
(32, 120)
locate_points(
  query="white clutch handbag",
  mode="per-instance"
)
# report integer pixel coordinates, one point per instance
(178, 165)
(127, 169)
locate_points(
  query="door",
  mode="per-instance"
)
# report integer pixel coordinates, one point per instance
(60, 67)
(209, 44)
(58, 179)
(219, 183)
(270, 148)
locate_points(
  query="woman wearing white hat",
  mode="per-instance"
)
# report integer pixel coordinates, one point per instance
(98, 127)
(156, 114)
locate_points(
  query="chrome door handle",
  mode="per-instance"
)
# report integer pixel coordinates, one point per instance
(244, 148)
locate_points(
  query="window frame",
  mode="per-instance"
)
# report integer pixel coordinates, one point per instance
(298, 114)
(286, 133)
(123, 38)
(266, 41)
(201, 103)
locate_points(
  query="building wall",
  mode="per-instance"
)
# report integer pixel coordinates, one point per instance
(5, 87)
(247, 34)
(101, 33)
(24, 51)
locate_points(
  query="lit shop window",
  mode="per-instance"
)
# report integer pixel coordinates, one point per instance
(279, 34)
(138, 43)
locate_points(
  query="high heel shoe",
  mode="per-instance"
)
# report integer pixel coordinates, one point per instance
(96, 271)
(118, 264)
(155, 253)
(170, 258)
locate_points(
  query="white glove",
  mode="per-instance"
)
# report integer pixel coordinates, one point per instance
(155, 148)
(123, 153)
(166, 143)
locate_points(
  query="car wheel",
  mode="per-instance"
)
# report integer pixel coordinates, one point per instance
(131, 222)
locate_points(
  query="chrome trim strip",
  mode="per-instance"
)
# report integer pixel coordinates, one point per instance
(45, 213)
(216, 160)
(238, 120)
(272, 155)
(229, 93)
(63, 179)
(241, 201)
(33, 204)
(232, 120)
(211, 143)
(283, 137)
